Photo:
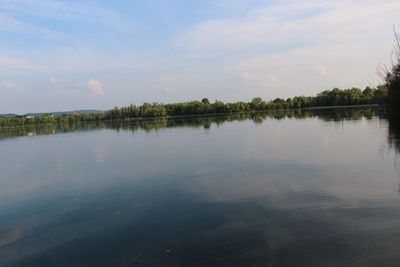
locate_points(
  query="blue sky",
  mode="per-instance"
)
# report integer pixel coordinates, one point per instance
(64, 55)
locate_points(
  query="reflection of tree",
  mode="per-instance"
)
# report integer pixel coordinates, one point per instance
(205, 122)
(394, 128)
(393, 119)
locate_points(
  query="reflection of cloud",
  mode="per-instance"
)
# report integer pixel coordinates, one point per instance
(100, 153)
(9, 236)
(249, 207)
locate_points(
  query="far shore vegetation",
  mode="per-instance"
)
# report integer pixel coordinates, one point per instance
(206, 122)
(335, 97)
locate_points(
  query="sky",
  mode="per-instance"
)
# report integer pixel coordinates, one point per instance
(59, 55)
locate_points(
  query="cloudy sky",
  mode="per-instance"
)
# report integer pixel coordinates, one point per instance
(69, 54)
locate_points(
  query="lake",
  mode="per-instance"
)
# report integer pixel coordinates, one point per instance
(297, 188)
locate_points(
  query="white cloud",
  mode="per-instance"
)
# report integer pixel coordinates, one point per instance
(299, 47)
(9, 23)
(262, 80)
(96, 87)
(8, 86)
(321, 69)
(247, 75)
(53, 80)
(13, 65)
(294, 23)
(66, 10)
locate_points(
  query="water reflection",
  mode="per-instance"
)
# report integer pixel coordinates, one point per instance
(303, 188)
(393, 118)
(205, 122)
(100, 153)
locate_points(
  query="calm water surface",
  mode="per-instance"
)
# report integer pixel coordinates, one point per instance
(314, 188)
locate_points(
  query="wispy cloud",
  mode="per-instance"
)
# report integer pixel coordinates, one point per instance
(291, 22)
(7, 21)
(8, 86)
(17, 65)
(321, 69)
(10, 23)
(95, 86)
(65, 10)
(305, 46)
(53, 80)
(261, 80)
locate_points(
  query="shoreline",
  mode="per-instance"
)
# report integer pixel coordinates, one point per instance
(196, 115)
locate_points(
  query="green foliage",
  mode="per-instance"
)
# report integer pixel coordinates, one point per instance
(335, 97)
(393, 85)
(256, 103)
(205, 101)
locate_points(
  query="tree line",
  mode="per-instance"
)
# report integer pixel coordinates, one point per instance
(335, 97)
(154, 124)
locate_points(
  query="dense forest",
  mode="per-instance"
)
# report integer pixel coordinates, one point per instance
(335, 97)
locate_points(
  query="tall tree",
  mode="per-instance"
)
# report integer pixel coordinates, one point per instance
(392, 76)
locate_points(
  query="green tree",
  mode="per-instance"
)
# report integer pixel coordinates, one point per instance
(205, 101)
(256, 102)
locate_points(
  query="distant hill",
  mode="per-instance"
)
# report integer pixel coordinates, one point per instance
(8, 115)
(57, 113)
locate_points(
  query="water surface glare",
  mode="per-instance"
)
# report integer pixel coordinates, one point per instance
(303, 188)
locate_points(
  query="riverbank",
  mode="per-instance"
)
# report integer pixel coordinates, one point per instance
(327, 99)
(145, 119)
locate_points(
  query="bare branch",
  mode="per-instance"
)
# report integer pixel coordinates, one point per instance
(397, 44)
(383, 70)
